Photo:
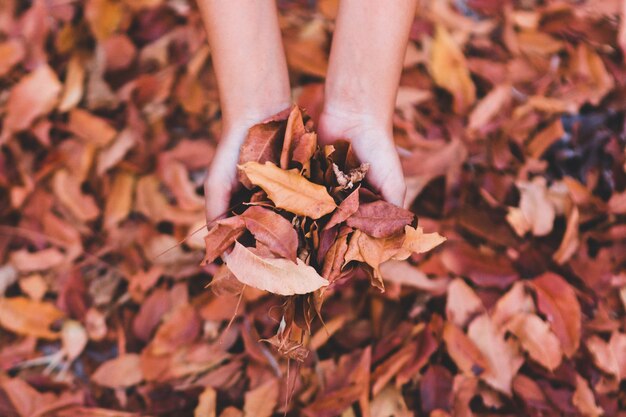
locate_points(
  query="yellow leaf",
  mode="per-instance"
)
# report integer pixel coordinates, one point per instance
(449, 70)
(290, 190)
(32, 318)
(417, 241)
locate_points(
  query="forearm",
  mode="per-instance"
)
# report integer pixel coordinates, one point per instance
(248, 58)
(367, 53)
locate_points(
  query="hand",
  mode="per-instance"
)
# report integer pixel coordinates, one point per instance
(372, 141)
(222, 176)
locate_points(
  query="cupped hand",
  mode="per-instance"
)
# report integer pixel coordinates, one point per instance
(222, 176)
(372, 141)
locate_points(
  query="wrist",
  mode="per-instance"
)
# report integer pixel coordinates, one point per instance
(243, 117)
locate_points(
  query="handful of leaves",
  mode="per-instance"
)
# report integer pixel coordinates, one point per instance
(307, 219)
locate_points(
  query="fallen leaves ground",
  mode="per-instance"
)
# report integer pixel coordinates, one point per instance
(510, 123)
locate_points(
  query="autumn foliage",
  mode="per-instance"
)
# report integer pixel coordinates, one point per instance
(117, 299)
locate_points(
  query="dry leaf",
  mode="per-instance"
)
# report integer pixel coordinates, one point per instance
(449, 70)
(346, 209)
(34, 95)
(28, 317)
(463, 351)
(380, 219)
(207, 403)
(462, 303)
(121, 372)
(273, 230)
(68, 191)
(416, 241)
(289, 190)
(488, 107)
(278, 276)
(557, 300)
(261, 401)
(584, 400)
(400, 272)
(221, 236)
(502, 357)
(537, 339)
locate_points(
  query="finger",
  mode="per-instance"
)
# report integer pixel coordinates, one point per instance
(395, 192)
(217, 196)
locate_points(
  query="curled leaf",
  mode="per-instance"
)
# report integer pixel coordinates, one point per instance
(290, 190)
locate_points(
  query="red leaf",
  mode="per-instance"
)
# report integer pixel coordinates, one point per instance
(557, 300)
(347, 208)
(221, 236)
(380, 219)
(272, 230)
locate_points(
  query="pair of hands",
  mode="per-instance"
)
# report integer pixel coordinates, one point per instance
(371, 138)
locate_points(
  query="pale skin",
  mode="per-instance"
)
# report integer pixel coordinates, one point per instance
(365, 64)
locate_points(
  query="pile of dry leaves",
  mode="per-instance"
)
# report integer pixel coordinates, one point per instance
(510, 124)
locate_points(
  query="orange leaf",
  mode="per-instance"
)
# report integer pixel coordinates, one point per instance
(28, 317)
(33, 96)
(290, 190)
(449, 70)
(557, 300)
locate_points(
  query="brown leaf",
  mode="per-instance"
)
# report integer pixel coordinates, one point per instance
(294, 129)
(449, 69)
(104, 17)
(11, 53)
(31, 318)
(609, 357)
(67, 189)
(303, 149)
(278, 276)
(262, 143)
(584, 399)
(557, 300)
(514, 302)
(74, 84)
(45, 259)
(121, 372)
(262, 400)
(346, 208)
(33, 96)
(289, 190)
(400, 272)
(536, 212)
(207, 403)
(181, 328)
(537, 339)
(272, 230)
(224, 282)
(90, 128)
(462, 303)
(489, 106)
(463, 351)
(502, 357)
(115, 152)
(380, 219)
(150, 313)
(373, 251)
(544, 138)
(221, 236)
(120, 200)
(334, 258)
(416, 241)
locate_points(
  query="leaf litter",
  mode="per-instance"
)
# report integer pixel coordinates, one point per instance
(510, 127)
